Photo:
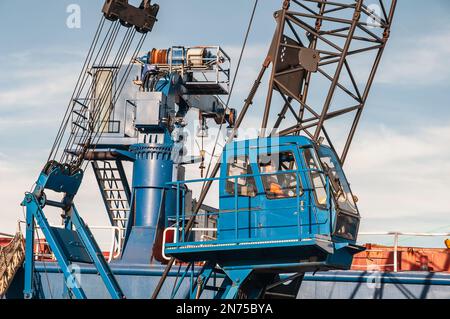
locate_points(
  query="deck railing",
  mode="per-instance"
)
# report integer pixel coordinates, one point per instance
(181, 217)
(396, 236)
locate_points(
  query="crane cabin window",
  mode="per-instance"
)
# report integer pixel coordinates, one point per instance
(316, 176)
(238, 167)
(276, 183)
(338, 182)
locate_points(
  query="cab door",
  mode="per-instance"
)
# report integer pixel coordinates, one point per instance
(317, 193)
(238, 199)
(282, 205)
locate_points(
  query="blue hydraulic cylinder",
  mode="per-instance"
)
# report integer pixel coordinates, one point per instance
(153, 169)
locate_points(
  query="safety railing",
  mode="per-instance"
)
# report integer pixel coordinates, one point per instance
(194, 230)
(212, 63)
(396, 237)
(116, 240)
(181, 216)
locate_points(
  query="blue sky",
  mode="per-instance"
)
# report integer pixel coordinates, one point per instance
(399, 165)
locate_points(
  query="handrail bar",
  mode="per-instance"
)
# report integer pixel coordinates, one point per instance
(175, 238)
(397, 235)
(393, 233)
(199, 180)
(181, 213)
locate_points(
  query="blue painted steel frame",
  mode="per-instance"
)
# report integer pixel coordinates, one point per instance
(60, 179)
(96, 254)
(34, 211)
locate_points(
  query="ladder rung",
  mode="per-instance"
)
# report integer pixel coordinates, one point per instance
(79, 103)
(119, 209)
(81, 115)
(117, 200)
(107, 169)
(76, 124)
(120, 219)
(110, 179)
(113, 190)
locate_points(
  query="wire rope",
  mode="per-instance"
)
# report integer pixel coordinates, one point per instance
(244, 45)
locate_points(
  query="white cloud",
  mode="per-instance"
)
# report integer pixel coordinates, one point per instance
(416, 60)
(252, 61)
(42, 56)
(35, 96)
(38, 86)
(14, 181)
(402, 178)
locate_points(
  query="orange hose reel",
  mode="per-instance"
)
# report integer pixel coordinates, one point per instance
(159, 56)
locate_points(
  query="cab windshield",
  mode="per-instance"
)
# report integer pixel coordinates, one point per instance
(338, 181)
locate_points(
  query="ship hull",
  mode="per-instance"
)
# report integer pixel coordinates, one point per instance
(139, 282)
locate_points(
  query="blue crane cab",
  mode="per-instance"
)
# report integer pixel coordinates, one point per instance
(284, 203)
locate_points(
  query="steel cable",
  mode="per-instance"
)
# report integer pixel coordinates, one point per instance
(121, 85)
(232, 88)
(104, 95)
(107, 39)
(103, 60)
(82, 74)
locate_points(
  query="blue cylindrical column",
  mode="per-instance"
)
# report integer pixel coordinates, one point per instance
(153, 169)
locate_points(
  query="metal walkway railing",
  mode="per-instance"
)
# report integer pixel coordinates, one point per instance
(179, 227)
(396, 236)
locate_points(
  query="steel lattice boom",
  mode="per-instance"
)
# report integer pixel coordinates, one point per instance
(324, 57)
